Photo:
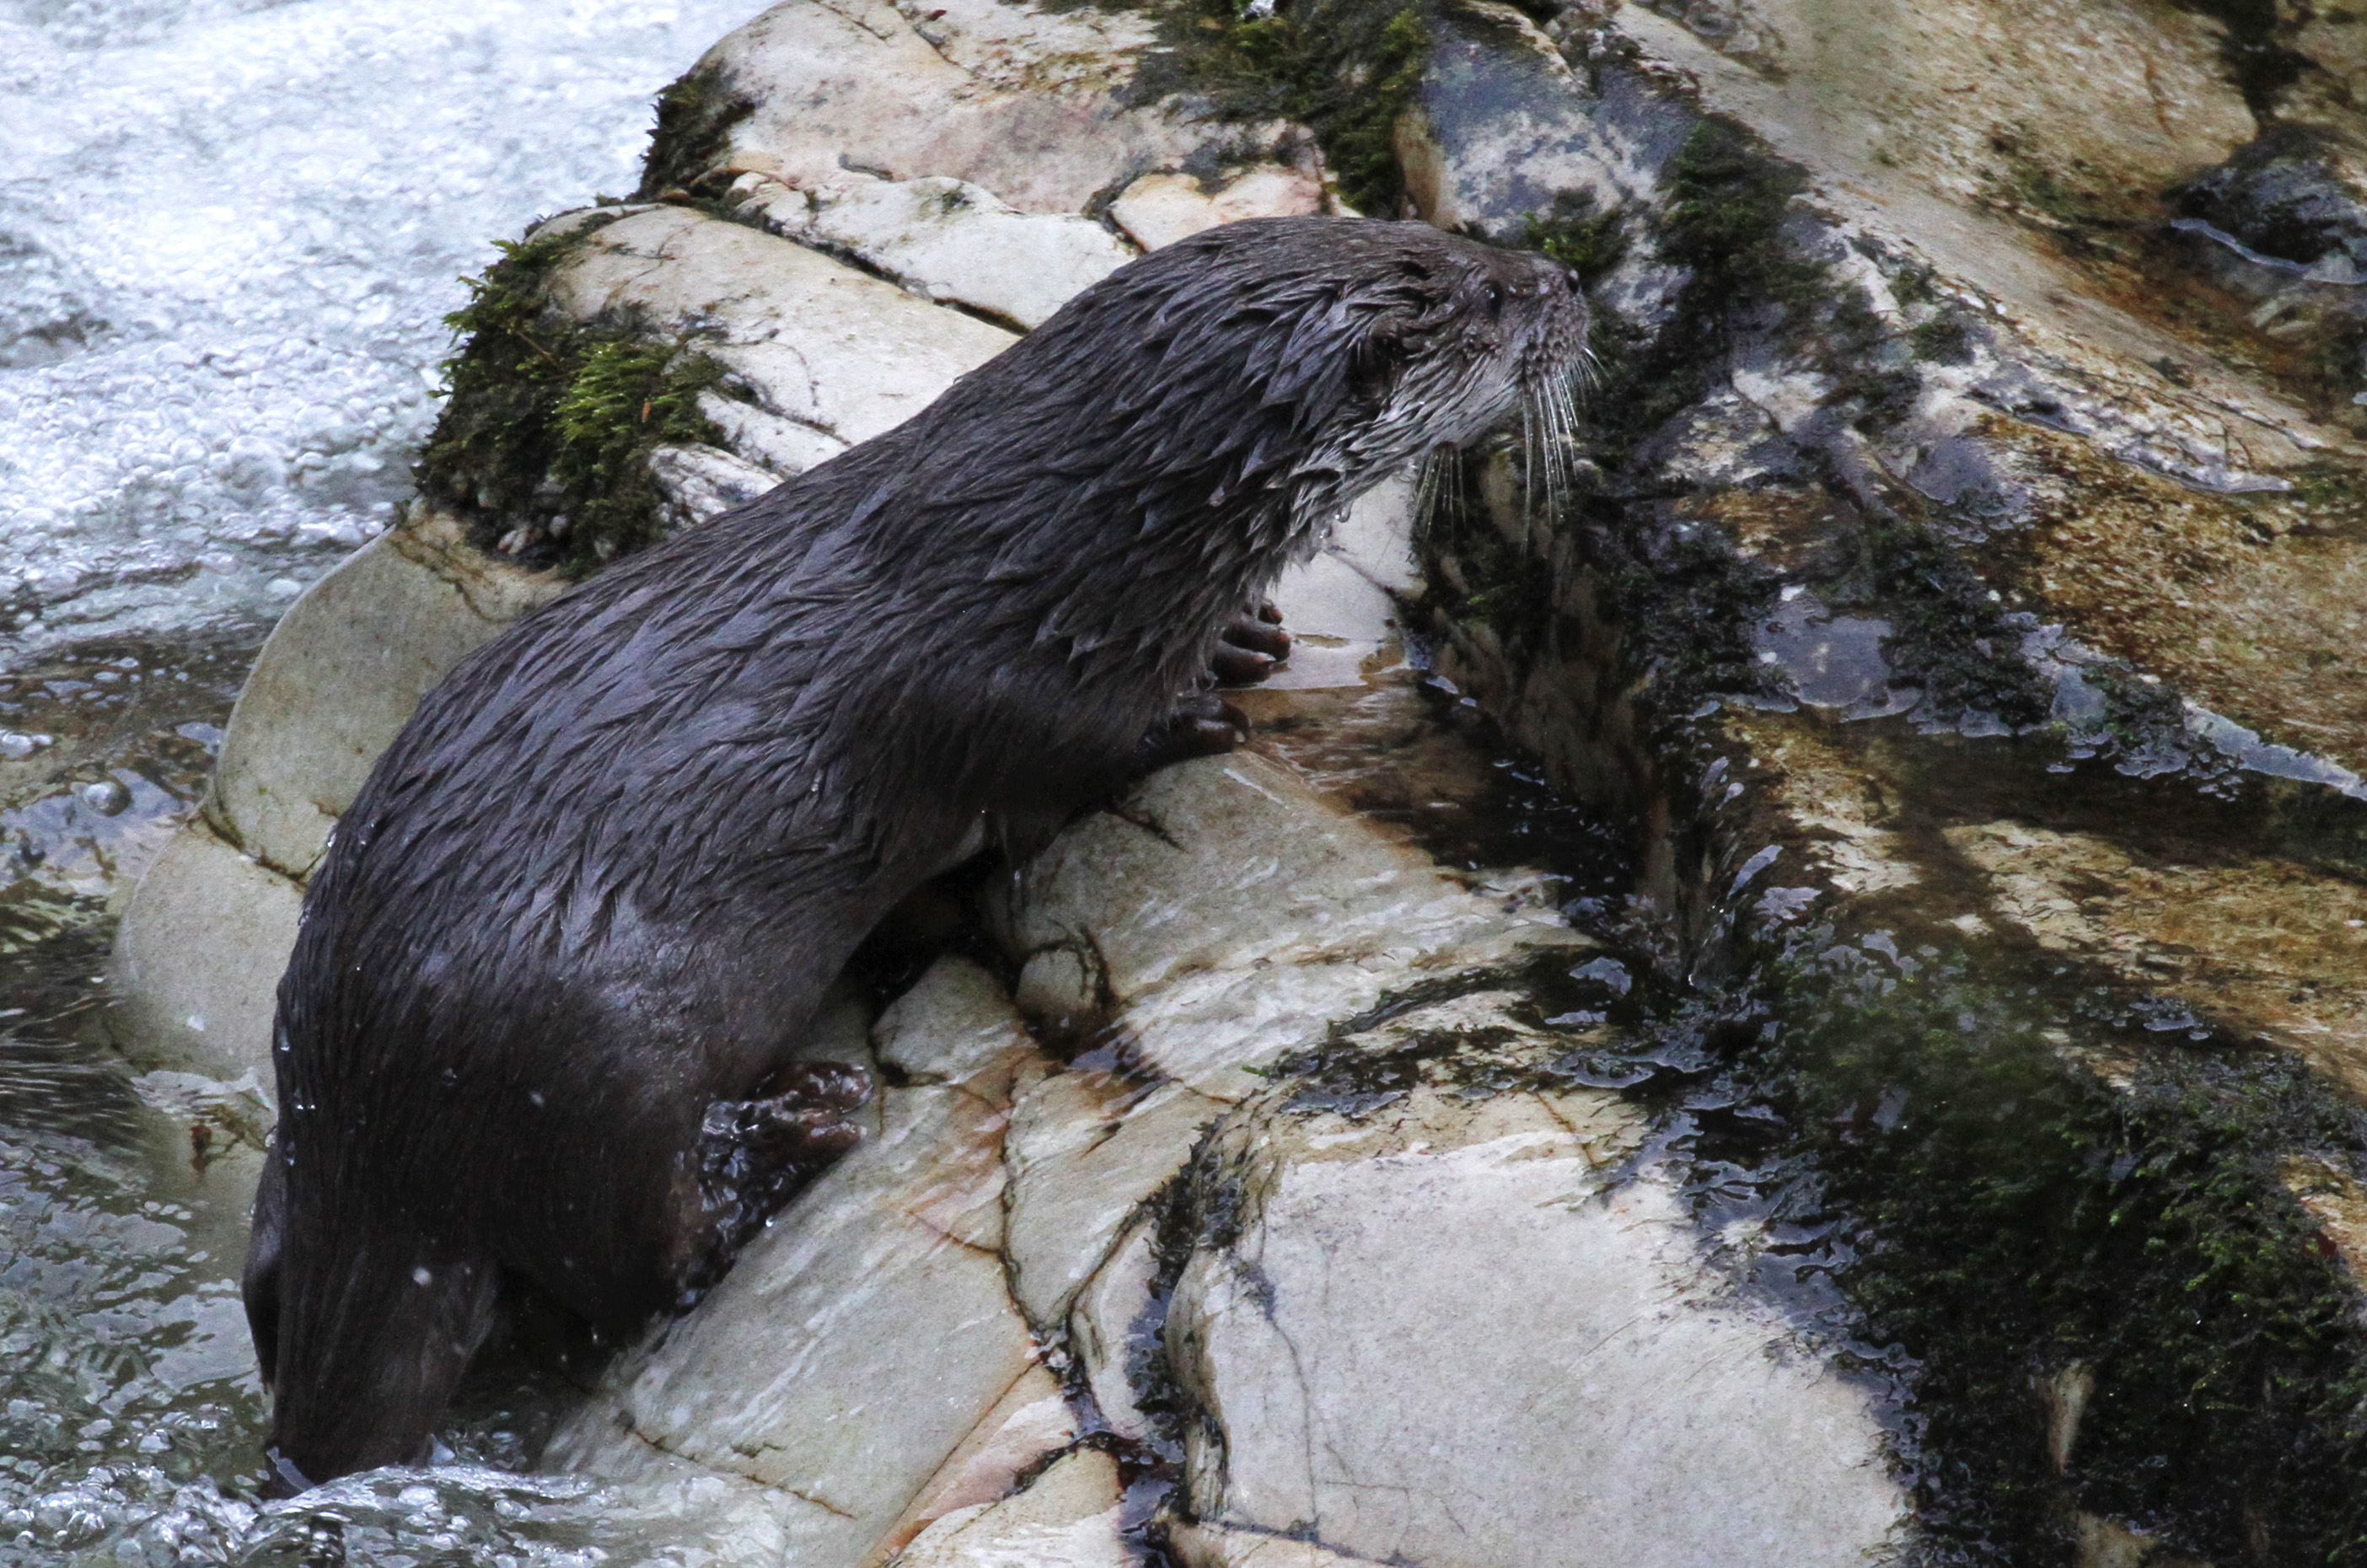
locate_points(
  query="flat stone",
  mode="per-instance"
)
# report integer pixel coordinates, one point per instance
(342, 672)
(1338, 619)
(1159, 208)
(197, 958)
(780, 446)
(1213, 1546)
(855, 1345)
(1116, 1320)
(955, 1024)
(1376, 1376)
(1375, 539)
(1032, 104)
(701, 482)
(1233, 916)
(817, 343)
(1069, 1519)
(1032, 1421)
(1084, 1151)
(947, 239)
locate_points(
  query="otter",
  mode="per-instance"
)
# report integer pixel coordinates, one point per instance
(537, 1022)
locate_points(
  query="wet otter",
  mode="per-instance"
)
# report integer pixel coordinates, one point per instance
(535, 1018)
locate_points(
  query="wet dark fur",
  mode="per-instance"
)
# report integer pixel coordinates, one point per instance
(600, 880)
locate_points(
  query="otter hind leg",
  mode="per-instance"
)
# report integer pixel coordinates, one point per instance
(754, 1154)
(371, 1342)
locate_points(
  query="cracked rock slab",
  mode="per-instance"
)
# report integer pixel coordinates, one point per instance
(947, 239)
(1032, 102)
(1085, 1151)
(817, 343)
(1225, 914)
(197, 959)
(341, 674)
(1446, 1335)
(854, 1347)
(1068, 1519)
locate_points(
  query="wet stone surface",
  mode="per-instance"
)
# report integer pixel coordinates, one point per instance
(1802, 972)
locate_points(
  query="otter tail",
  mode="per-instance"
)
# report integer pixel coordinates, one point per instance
(362, 1345)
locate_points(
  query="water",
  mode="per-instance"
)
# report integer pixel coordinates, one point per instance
(229, 230)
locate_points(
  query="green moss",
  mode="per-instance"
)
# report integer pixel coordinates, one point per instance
(1727, 198)
(1575, 232)
(1945, 339)
(696, 113)
(1346, 69)
(1947, 635)
(549, 420)
(1996, 1215)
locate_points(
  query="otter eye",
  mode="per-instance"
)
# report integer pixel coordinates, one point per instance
(1494, 295)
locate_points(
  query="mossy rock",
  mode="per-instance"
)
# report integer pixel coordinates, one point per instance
(543, 444)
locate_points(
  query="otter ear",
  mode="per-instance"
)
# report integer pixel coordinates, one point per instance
(1380, 334)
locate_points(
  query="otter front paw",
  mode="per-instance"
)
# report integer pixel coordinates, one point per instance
(1249, 647)
(1200, 726)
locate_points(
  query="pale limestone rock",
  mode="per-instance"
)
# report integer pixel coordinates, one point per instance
(1337, 618)
(342, 671)
(1159, 208)
(1442, 1334)
(817, 343)
(701, 483)
(947, 239)
(1115, 1317)
(1231, 916)
(197, 959)
(1033, 1420)
(856, 1344)
(781, 446)
(1084, 1151)
(1068, 1519)
(1023, 101)
(1213, 1546)
(954, 1026)
(1375, 539)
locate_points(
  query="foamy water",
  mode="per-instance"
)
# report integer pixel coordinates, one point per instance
(229, 230)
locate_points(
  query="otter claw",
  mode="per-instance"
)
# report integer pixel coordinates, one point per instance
(1200, 726)
(1251, 645)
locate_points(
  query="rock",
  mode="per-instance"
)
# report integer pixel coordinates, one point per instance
(197, 959)
(857, 1343)
(340, 675)
(1032, 1422)
(1213, 1546)
(1032, 104)
(818, 344)
(2293, 198)
(1115, 1326)
(1338, 619)
(1085, 1152)
(954, 1026)
(1158, 209)
(1231, 916)
(780, 446)
(1340, 1328)
(947, 239)
(701, 483)
(1068, 1519)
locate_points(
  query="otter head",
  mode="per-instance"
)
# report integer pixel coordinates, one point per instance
(1386, 342)
(1459, 337)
